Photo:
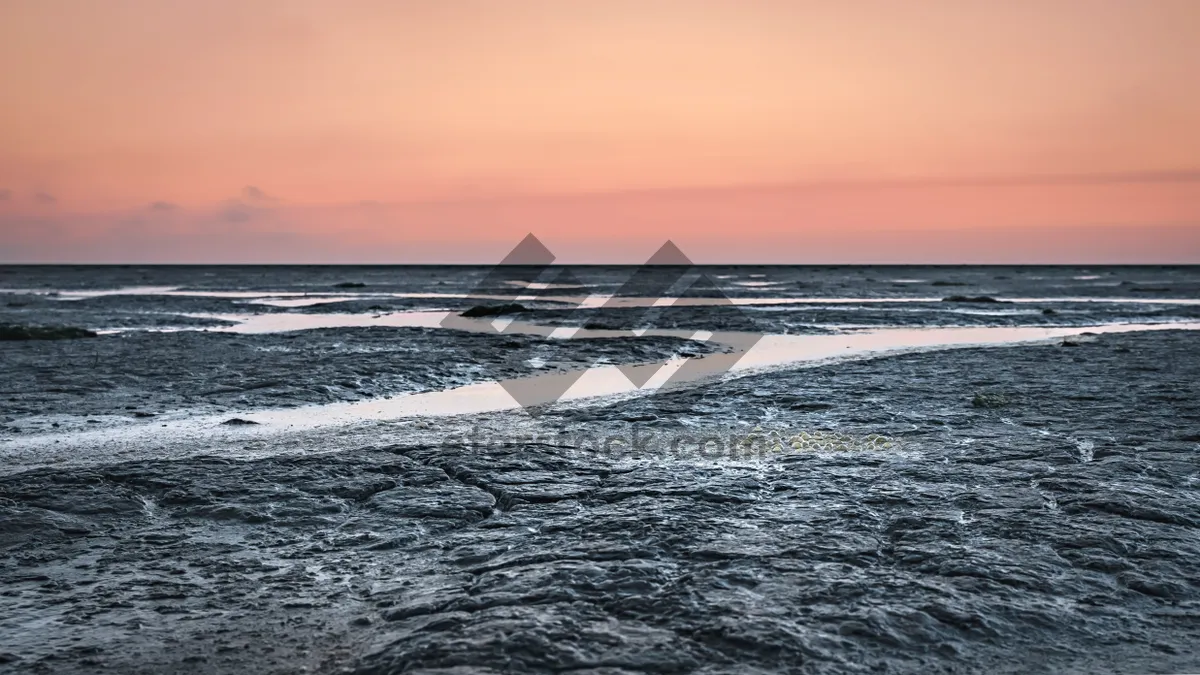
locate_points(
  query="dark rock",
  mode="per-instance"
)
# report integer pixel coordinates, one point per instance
(10, 332)
(810, 407)
(350, 284)
(1049, 312)
(237, 421)
(494, 310)
(973, 299)
(983, 400)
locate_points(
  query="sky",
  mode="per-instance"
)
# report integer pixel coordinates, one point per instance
(776, 131)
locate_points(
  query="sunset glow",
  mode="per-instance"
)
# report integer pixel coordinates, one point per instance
(746, 131)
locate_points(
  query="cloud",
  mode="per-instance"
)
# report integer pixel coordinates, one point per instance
(45, 198)
(1166, 177)
(237, 213)
(252, 203)
(18, 229)
(162, 206)
(5, 195)
(254, 194)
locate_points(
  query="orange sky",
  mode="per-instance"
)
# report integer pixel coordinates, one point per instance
(745, 130)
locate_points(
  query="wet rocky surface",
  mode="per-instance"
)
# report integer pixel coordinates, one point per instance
(1055, 530)
(17, 333)
(172, 314)
(112, 313)
(799, 319)
(136, 374)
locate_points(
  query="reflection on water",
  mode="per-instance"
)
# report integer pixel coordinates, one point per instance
(539, 286)
(771, 352)
(757, 284)
(301, 299)
(281, 323)
(309, 301)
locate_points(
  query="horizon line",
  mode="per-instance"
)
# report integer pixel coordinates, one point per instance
(1134, 177)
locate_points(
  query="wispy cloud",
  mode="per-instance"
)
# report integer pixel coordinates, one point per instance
(237, 213)
(45, 198)
(252, 203)
(5, 195)
(162, 206)
(254, 194)
(1106, 178)
(1175, 176)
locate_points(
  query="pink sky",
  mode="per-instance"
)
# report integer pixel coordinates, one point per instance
(744, 130)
